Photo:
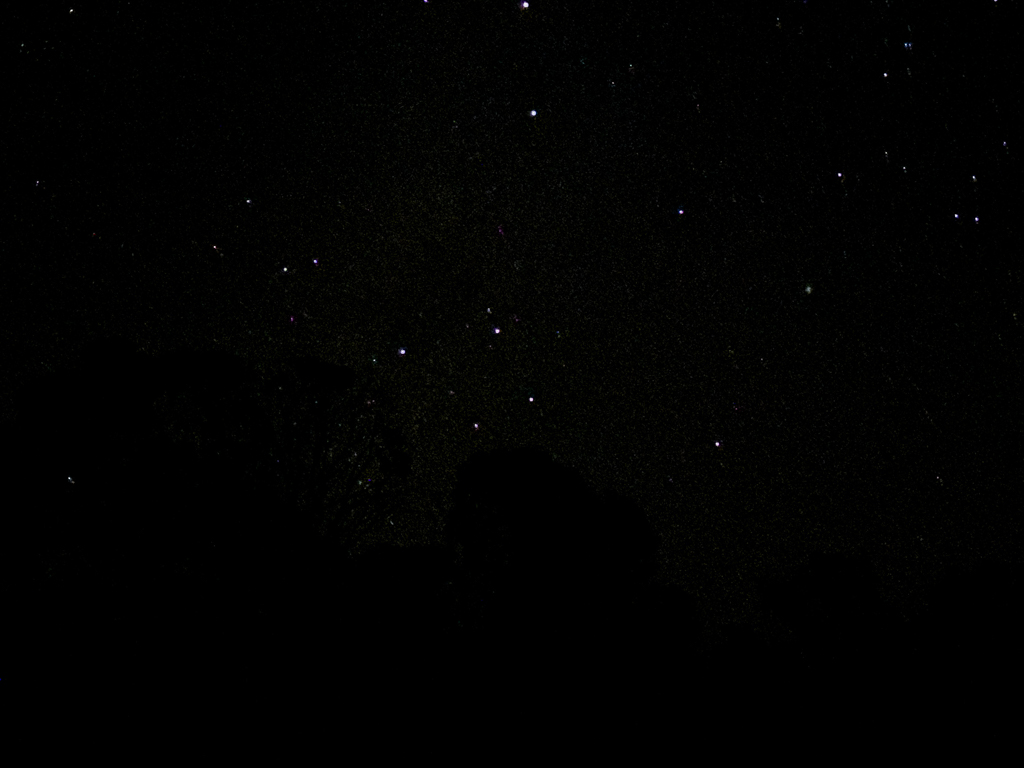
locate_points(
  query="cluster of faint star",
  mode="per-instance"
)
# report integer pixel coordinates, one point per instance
(496, 330)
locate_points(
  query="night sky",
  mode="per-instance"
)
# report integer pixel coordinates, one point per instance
(753, 273)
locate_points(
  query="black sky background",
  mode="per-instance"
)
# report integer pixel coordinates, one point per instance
(757, 270)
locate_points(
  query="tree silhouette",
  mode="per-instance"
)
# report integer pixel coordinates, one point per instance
(176, 510)
(550, 570)
(966, 635)
(846, 637)
(836, 614)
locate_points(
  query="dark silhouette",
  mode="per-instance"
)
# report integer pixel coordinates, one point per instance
(844, 637)
(840, 631)
(967, 634)
(162, 518)
(190, 517)
(550, 574)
